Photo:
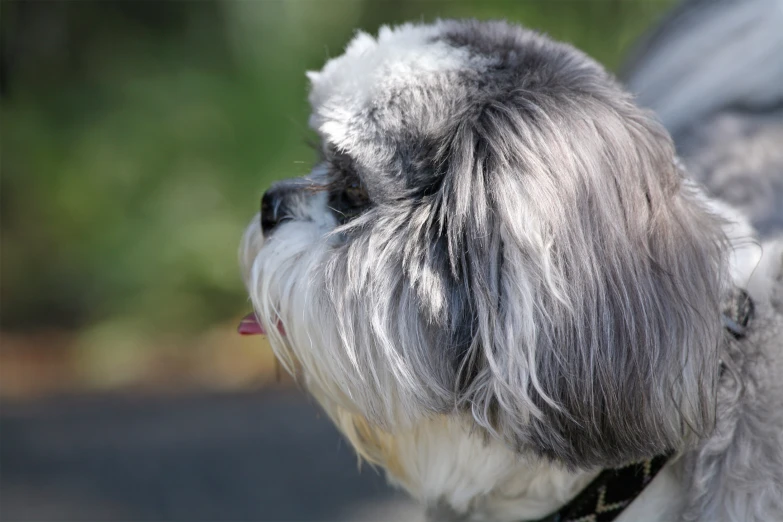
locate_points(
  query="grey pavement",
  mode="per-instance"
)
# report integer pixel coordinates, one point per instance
(237, 457)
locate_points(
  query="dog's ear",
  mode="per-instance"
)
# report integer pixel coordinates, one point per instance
(592, 274)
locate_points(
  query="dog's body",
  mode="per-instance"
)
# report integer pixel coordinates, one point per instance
(500, 281)
(712, 73)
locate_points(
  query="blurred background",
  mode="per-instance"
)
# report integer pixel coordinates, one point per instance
(137, 138)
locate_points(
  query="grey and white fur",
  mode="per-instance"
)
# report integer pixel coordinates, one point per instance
(501, 278)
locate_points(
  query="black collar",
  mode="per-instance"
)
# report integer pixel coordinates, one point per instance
(614, 489)
(609, 493)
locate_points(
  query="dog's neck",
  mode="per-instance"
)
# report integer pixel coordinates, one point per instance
(469, 478)
(658, 502)
(462, 476)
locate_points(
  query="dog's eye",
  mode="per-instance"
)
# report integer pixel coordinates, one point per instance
(356, 195)
(349, 200)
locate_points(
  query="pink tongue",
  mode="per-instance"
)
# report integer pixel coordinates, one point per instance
(249, 325)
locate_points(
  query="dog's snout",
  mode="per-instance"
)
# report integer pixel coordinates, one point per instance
(273, 209)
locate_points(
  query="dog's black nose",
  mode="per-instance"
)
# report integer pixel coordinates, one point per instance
(271, 210)
(276, 205)
(282, 202)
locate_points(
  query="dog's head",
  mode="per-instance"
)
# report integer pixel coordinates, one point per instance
(496, 234)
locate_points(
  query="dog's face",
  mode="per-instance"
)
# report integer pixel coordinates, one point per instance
(496, 234)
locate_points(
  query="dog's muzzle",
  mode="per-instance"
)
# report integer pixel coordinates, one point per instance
(284, 201)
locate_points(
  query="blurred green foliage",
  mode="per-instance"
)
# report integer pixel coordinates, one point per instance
(137, 138)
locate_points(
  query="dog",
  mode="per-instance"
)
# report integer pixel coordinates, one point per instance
(505, 287)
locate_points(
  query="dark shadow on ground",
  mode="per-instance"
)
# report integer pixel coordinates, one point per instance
(253, 456)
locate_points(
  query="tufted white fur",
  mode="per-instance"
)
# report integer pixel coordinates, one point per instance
(371, 69)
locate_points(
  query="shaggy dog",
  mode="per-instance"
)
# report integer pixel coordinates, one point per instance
(505, 288)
